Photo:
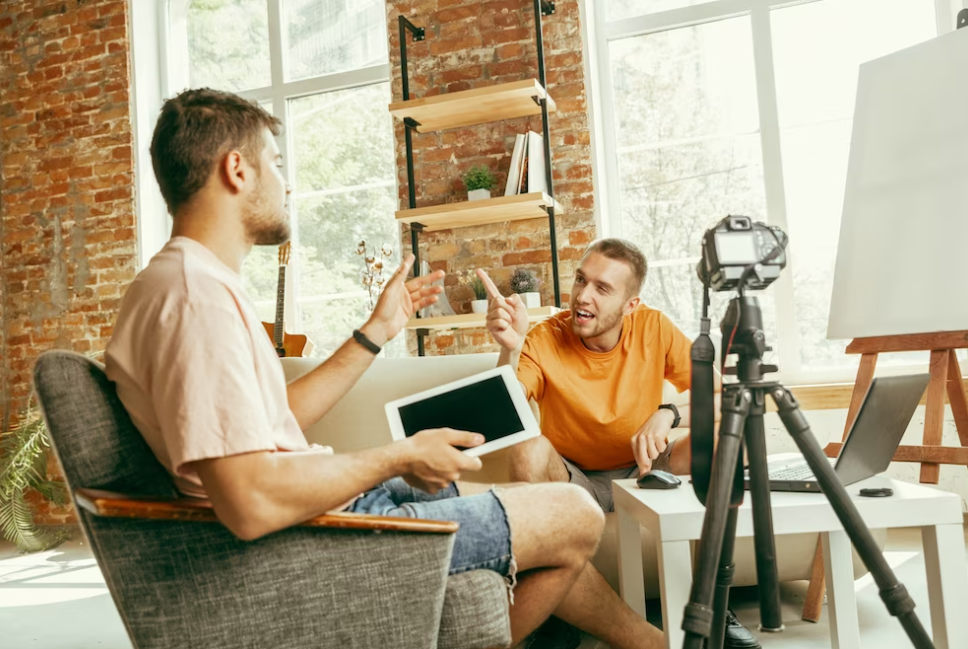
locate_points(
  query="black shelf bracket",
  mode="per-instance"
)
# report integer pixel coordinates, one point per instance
(547, 8)
(419, 33)
(962, 18)
(539, 6)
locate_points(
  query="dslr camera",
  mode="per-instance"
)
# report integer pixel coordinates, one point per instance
(741, 253)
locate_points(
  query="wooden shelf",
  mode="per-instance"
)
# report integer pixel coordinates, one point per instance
(478, 106)
(469, 320)
(491, 210)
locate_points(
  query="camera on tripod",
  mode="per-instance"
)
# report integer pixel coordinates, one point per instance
(739, 253)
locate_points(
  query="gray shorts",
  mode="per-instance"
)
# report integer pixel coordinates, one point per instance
(599, 483)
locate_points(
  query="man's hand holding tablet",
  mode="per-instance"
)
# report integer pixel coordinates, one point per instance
(433, 462)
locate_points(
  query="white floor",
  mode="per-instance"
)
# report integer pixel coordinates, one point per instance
(58, 600)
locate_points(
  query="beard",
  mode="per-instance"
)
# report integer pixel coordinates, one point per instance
(265, 224)
(601, 323)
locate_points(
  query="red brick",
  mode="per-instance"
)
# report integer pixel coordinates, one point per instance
(57, 71)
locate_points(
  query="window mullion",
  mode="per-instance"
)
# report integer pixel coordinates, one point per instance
(788, 344)
(611, 206)
(280, 109)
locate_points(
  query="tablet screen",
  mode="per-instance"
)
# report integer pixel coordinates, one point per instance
(484, 407)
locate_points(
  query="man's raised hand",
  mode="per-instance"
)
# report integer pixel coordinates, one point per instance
(399, 301)
(507, 317)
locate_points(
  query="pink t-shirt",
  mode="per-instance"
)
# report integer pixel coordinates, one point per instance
(194, 367)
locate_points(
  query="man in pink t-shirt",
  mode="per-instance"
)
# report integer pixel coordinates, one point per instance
(203, 385)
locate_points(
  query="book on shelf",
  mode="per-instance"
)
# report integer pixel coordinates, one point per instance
(527, 170)
(514, 171)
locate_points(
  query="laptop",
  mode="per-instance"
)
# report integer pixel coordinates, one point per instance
(878, 428)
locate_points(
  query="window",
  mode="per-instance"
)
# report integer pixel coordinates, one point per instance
(716, 107)
(322, 67)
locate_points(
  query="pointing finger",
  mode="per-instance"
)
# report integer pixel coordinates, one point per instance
(488, 284)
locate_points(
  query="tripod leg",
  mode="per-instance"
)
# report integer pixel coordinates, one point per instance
(767, 575)
(724, 579)
(893, 593)
(698, 614)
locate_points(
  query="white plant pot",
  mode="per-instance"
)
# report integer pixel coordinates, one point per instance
(532, 299)
(478, 194)
(479, 306)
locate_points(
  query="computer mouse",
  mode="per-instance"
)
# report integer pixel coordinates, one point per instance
(658, 480)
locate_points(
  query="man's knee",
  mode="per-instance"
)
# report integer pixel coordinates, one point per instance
(536, 460)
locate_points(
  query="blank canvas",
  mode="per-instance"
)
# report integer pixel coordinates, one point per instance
(901, 260)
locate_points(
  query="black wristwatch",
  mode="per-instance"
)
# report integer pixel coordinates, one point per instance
(675, 413)
(361, 338)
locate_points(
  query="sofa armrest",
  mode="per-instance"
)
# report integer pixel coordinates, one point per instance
(109, 504)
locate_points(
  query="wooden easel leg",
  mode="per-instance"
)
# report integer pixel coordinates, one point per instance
(865, 375)
(934, 411)
(956, 397)
(813, 605)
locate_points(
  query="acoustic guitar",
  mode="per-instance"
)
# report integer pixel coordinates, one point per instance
(286, 344)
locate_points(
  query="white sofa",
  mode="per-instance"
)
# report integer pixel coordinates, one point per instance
(358, 421)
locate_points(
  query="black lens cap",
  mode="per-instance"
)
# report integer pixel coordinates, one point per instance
(879, 492)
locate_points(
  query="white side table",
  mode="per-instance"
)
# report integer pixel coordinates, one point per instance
(675, 518)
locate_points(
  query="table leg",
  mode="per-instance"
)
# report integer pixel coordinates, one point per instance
(841, 602)
(675, 584)
(944, 561)
(630, 579)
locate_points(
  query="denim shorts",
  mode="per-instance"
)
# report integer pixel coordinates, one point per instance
(483, 541)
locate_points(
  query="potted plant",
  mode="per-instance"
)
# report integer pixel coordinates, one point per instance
(526, 284)
(478, 181)
(23, 467)
(469, 278)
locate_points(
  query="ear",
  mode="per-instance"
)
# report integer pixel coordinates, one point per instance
(630, 305)
(234, 171)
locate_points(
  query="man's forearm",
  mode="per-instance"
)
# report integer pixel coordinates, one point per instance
(256, 494)
(313, 395)
(685, 416)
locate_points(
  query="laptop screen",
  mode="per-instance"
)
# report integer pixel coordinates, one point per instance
(883, 418)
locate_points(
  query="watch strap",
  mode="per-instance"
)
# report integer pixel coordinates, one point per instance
(361, 338)
(675, 413)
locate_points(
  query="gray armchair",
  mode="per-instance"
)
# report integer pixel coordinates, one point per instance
(179, 578)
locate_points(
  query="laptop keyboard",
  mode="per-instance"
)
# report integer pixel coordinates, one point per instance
(793, 472)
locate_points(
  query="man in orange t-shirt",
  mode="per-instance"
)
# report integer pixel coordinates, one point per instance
(597, 372)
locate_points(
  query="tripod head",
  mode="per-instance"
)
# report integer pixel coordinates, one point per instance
(742, 325)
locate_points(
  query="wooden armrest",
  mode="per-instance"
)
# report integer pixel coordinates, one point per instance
(116, 505)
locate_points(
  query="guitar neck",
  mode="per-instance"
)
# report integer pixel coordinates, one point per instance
(278, 329)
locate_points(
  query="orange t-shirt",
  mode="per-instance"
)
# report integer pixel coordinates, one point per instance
(593, 403)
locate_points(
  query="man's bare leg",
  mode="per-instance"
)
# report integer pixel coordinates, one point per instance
(592, 606)
(536, 460)
(556, 524)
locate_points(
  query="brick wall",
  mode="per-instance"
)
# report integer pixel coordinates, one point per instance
(67, 220)
(472, 44)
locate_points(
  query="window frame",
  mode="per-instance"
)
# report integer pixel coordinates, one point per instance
(161, 44)
(600, 33)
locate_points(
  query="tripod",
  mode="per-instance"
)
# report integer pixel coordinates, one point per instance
(744, 403)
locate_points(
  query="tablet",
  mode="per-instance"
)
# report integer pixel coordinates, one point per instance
(490, 403)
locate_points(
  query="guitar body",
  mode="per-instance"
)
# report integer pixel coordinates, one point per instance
(285, 344)
(292, 344)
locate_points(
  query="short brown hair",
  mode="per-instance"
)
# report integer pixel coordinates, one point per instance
(195, 129)
(624, 251)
